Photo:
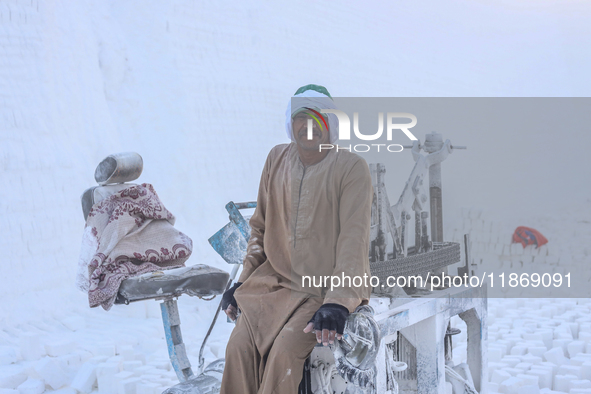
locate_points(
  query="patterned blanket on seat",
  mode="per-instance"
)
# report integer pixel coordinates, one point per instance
(127, 234)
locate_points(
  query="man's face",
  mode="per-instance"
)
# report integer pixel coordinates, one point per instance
(320, 134)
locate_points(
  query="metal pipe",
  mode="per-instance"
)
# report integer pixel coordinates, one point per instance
(433, 143)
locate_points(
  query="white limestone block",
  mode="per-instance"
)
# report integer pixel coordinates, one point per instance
(85, 355)
(98, 359)
(544, 378)
(498, 248)
(8, 391)
(170, 374)
(85, 378)
(580, 384)
(103, 349)
(523, 366)
(151, 377)
(533, 336)
(448, 388)
(537, 351)
(553, 368)
(516, 249)
(511, 360)
(161, 364)
(511, 385)
(118, 377)
(30, 347)
(72, 360)
(11, 376)
(547, 334)
(555, 356)
(495, 354)
(163, 382)
(60, 348)
(562, 382)
(518, 350)
(50, 370)
(31, 386)
(107, 368)
(532, 359)
(117, 359)
(569, 370)
(145, 369)
(575, 347)
(528, 389)
(129, 386)
(140, 357)
(574, 328)
(578, 360)
(584, 336)
(127, 352)
(105, 373)
(585, 371)
(504, 342)
(529, 379)
(155, 388)
(131, 365)
(562, 341)
(552, 260)
(543, 250)
(493, 366)
(579, 391)
(513, 371)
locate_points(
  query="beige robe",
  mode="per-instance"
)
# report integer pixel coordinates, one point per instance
(312, 221)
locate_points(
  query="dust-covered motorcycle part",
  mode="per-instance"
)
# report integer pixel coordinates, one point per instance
(355, 354)
(119, 168)
(196, 281)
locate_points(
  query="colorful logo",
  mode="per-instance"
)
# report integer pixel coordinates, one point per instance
(316, 118)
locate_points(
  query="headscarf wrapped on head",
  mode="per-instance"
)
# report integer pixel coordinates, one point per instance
(317, 98)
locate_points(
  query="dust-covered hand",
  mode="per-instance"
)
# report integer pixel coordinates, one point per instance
(229, 305)
(328, 322)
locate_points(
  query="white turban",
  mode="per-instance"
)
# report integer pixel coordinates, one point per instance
(316, 101)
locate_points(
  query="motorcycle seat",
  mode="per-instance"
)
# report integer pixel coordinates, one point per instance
(196, 281)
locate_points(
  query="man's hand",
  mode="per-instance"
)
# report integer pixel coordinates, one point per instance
(229, 305)
(328, 323)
